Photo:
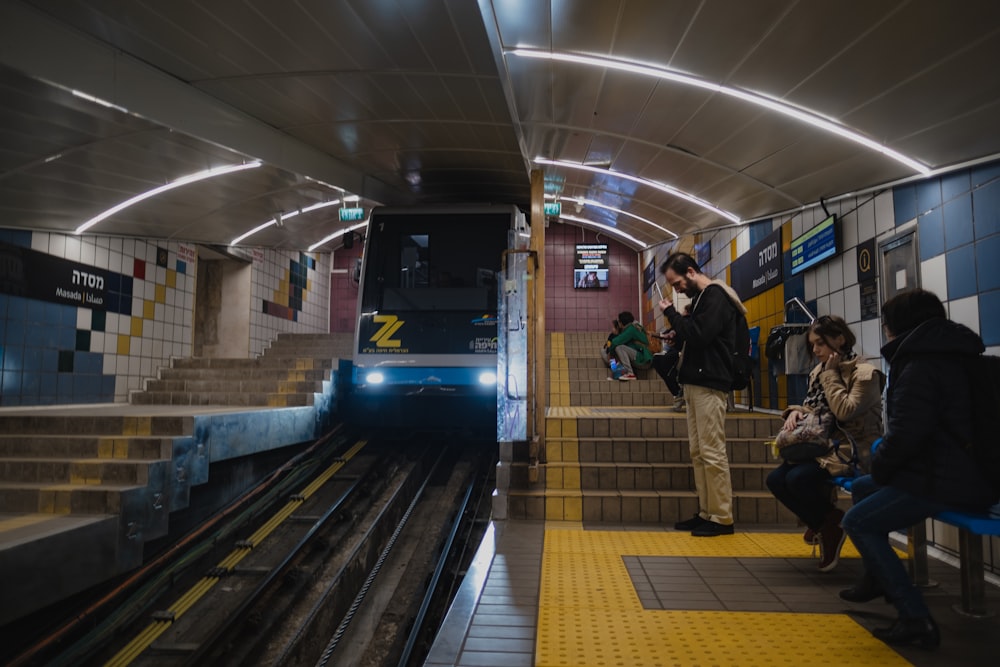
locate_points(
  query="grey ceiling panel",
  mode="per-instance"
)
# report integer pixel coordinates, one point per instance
(403, 100)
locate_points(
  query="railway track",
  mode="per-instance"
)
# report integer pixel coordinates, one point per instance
(353, 562)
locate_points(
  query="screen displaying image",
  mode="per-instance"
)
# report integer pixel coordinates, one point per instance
(586, 279)
(815, 246)
(590, 265)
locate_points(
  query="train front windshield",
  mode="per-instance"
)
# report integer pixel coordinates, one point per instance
(430, 284)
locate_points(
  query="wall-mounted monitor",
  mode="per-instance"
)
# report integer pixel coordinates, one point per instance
(815, 246)
(590, 265)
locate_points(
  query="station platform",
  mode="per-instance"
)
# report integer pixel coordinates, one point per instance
(569, 594)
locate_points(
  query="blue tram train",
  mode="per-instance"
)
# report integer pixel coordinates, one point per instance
(426, 355)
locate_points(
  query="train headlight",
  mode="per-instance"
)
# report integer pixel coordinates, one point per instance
(488, 378)
(375, 378)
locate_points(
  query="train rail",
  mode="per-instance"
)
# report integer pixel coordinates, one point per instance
(370, 543)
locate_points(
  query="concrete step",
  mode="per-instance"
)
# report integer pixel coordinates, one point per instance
(609, 476)
(68, 498)
(230, 398)
(662, 508)
(98, 425)
(258, 386)
(289, 362)
(81, 447)
(318, 346)
(223, 374)
(79, 471)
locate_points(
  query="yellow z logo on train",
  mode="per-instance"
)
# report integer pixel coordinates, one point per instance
(390, 325)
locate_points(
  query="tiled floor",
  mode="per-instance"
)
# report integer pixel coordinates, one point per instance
(557, 594)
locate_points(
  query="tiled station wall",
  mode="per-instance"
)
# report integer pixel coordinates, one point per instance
(60, 352)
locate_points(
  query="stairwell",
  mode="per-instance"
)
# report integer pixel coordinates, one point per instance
(615, 452)
(291, 372)
(99, 481)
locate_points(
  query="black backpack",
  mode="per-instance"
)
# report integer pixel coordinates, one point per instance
(742, 363)
(984, 378)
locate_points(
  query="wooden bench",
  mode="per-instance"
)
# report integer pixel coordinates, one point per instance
(971, 528)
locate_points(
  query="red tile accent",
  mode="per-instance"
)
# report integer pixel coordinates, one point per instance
(569, 309)
(139, 268)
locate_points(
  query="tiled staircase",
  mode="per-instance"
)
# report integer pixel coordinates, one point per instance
(93, 482)
(616, 452)
(289, 373)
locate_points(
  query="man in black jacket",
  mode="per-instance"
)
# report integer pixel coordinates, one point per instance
(920, 468)
(708, 336)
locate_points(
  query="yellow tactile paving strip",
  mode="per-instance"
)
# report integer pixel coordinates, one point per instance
(589, 614)
(631, 411)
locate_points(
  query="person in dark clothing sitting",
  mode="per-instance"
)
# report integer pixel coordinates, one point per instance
(920, 468)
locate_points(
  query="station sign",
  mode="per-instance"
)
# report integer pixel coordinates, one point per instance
(354, 214)
(553, 208)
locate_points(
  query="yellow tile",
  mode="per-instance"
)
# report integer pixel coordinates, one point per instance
(148, 309)
(46, 501)
(553, 477)
(144, 426)
(171, 278)
(62, 502)
(123, 342)
(573, 508)
(136, 329)
(569, 428)
(308, 284)
(553, 508)
(105, 448)
(571, 478)
(161, 294)
(121, 448)
(571, 450)
(553, 448)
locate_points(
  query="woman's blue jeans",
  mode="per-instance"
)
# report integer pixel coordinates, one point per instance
(879, 510)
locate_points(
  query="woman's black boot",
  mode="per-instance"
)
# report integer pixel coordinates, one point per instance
(922, 632)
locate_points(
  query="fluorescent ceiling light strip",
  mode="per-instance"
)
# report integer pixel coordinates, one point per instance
(669, 189)
(810, 117)
(591, 202)
(611, 230)
(337, 233)
(182, 181)
(284, 216)
(98, 100)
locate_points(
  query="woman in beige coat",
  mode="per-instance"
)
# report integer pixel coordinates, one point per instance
(851, 390)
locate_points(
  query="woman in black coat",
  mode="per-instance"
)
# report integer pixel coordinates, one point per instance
(921, 467)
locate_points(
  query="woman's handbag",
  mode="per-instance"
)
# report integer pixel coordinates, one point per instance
(810, 439)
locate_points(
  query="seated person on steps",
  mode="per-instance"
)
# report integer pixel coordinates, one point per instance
(630, 347)
(851, 390)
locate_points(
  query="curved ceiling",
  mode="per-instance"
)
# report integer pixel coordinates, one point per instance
(652, 117)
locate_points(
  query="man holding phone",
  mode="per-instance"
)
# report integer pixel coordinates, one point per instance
(707, 335)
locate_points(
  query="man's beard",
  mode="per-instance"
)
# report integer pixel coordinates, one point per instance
(691, 290)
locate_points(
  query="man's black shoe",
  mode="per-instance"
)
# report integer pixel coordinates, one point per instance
(922, 632)
(712, 529)
(691, 523)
